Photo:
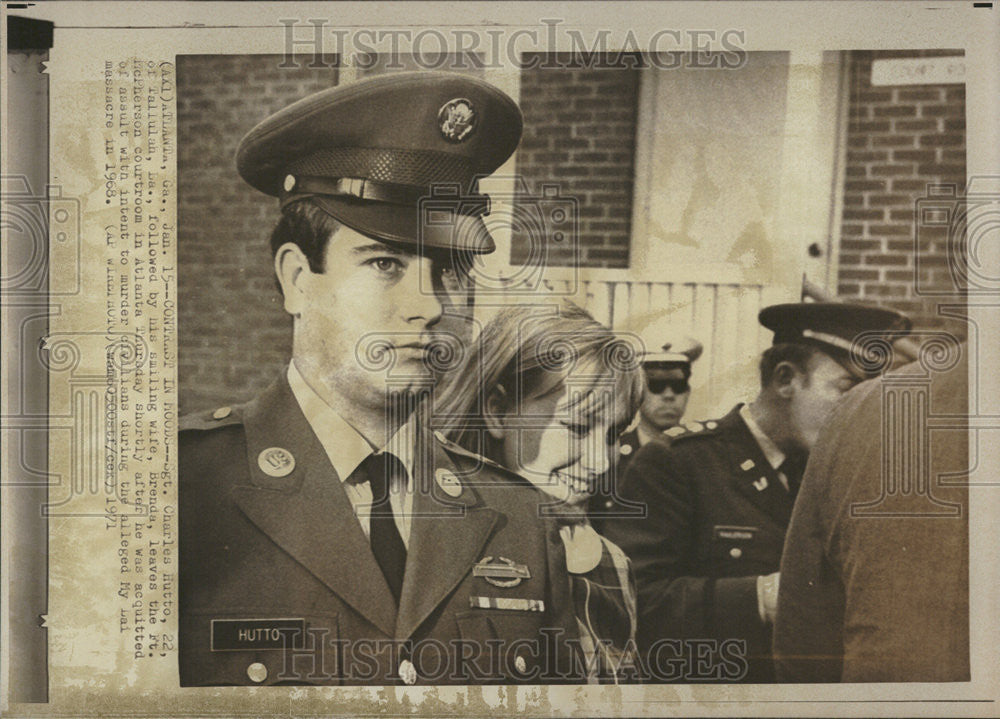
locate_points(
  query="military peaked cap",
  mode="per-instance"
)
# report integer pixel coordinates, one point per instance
(680, 350)
(396, 157)
(831, 325)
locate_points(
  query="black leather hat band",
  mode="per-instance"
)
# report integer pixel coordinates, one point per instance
(297, 188)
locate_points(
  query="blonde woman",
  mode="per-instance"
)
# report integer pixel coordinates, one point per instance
(545, 392)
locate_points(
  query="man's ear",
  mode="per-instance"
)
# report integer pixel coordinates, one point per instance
(291, 267)
(495, 412)
(786, 379)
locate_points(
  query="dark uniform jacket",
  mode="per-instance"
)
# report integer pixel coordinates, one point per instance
(875, 575)
(607, 504)
(279, 584)
(716, 519)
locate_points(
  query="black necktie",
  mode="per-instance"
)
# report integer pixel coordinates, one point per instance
(793, 468)
(387, 544)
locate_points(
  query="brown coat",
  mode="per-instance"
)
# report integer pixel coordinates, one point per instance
(289, 553)
(875, 575)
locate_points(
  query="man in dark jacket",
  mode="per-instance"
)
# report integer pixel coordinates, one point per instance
(327, 535)
(719, 499)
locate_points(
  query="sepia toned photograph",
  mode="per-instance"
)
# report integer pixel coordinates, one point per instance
(552, 367)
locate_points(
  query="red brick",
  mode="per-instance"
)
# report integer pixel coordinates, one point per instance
(933, 94)
(916, 125)
(864, 185)
(864, 245)
(861, 156)
(852, 214)
(950, 110)
(899, 245)
(880, 200)
(853, 274)
(900, 275)
(910, 185)
(914, 155)
(894, 141)
(870, 126)
(889, 170)
(896, 111)
(952, 156)
(884, 290)
(942, 170)
(904, 229)
(879, 95)
(887, 259)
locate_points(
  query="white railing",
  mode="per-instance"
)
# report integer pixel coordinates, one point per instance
(721, 315)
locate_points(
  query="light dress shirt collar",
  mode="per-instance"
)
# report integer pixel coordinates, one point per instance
(347, 449)
(772, 453)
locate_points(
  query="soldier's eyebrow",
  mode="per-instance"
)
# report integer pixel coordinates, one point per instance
(378, 248)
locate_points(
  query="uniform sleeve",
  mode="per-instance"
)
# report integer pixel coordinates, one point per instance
(673, 601)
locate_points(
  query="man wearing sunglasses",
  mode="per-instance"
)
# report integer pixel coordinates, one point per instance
(667, 392)
(719, 498)
(667, 373)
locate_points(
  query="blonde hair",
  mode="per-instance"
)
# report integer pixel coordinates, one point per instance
(517, 350)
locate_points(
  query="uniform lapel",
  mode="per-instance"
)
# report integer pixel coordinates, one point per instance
(447, 537)
(752, 474)
(307, 513)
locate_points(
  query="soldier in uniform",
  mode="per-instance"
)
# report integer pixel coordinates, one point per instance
(720, 496)
(327, 535)
(667, 373)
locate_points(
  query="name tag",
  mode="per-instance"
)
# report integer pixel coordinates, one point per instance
(515, 603)
(728, 533)
(230, 635)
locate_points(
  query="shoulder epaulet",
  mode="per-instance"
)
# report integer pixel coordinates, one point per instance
(212, 419)
(455, 448)
(692, 429)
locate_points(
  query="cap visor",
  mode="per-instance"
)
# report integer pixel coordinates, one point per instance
(404, 225)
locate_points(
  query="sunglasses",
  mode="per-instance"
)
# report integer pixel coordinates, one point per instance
(677, 386)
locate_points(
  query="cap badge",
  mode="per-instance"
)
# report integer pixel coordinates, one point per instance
(276, 462)
(501, 573)
(457, 119)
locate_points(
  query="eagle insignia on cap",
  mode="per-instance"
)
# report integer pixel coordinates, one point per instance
(457, 119)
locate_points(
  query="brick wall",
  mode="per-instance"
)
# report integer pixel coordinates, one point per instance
(579, 131)
(900, 139)
(233, 334)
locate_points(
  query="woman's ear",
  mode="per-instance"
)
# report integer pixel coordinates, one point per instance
(291, 266)
(495, 412)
